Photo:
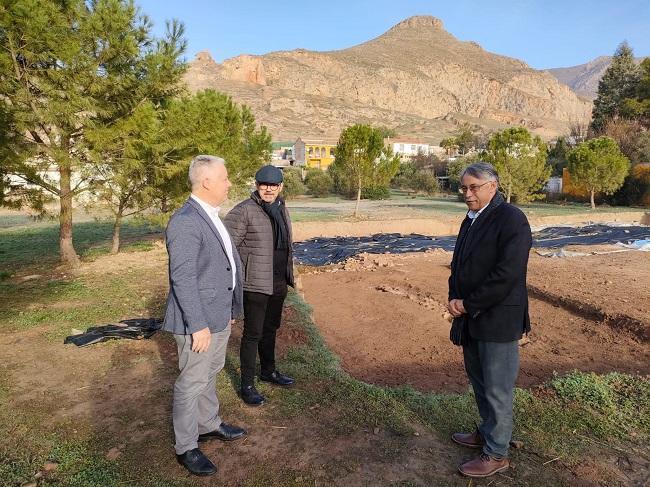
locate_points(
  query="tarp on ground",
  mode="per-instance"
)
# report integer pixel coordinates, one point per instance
(322, 251)
(134, 329)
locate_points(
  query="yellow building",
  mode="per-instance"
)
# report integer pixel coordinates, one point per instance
(317, 154)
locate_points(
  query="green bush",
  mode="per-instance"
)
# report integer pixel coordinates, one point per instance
(425, 182)
(375, 193)
(293, 185)
(414, 179)
(319, 183)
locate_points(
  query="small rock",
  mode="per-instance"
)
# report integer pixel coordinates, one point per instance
(50, 466)
(376, 431)
(29, 484)
(31, 277)
(113, 454)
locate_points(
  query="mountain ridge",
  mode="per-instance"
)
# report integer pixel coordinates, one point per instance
(416, 78)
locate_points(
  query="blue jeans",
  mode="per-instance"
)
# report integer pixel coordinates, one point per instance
(492, 369)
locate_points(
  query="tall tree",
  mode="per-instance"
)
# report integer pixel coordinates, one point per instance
(363, 161)
(557, 156)
(618, 83)
(598, 165)
(450, 145)
(465, 139)
(208, 122)
(520, 160)
(632, 138)
(67, 68)
(126, 156)
(638, 105)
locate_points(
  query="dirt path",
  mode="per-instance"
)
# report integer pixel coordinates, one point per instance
(385, 316)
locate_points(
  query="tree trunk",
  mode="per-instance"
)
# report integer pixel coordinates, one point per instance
(356, 207)
(508, 195)
(593, 204)
(117, 225)
(66, 247)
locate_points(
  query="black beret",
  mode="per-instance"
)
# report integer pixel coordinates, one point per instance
(269, 174)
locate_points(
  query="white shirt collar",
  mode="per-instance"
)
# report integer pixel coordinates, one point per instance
(473, 214)
(209, 209)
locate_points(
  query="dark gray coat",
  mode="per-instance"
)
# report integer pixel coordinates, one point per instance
(200, 278)
(251, 231)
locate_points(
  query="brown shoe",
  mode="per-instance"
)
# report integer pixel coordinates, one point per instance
(470, 440)
(483, 466)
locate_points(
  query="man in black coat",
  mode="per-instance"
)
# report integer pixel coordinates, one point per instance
(489, 302)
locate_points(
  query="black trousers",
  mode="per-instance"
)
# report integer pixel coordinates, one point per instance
(262, 318)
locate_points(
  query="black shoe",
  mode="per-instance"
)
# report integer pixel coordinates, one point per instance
(197, 463)
(251, 397)
(277, 378)
(224, 432)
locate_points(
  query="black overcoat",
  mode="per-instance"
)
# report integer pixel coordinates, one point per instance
(488, 272)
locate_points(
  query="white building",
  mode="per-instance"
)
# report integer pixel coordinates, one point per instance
(406, 147)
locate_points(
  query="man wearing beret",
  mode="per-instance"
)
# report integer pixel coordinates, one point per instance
(260, 228)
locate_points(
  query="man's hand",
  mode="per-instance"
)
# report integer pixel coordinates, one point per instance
(201, 340)
(232, 322)
(456, 307)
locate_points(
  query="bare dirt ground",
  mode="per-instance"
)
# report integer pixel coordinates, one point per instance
(118, 395)
(385, 316)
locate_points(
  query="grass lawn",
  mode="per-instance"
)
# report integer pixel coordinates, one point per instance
(26, 242)
(402, 205)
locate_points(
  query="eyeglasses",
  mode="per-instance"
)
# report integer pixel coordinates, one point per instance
(472, 187)
(273, 186)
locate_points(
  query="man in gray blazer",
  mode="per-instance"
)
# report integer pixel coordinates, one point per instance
(205, 294)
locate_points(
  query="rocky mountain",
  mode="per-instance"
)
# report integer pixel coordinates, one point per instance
(416, 78)
(584, 78)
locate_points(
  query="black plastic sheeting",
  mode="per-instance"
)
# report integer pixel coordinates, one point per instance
(134, 329)
(322, 251)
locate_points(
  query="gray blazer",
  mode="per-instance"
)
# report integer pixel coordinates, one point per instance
(200, 278)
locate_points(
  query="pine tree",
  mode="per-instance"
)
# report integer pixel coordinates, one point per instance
(68, 68)
(598, 166)
(208, 122)
(618, 83)
(520, 160)
(638, 106)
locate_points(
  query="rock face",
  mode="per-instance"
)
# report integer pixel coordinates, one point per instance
(416, 78)
(584, 78)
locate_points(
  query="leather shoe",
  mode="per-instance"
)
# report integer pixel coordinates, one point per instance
(197, 463)
(251, 397)
(483, 466)
(470, 440)
(224, 432)
(277, 378)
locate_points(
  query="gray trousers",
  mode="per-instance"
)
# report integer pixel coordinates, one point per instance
(196, 406)
(492, 368)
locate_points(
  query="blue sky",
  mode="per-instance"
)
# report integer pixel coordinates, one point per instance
(544, 34)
